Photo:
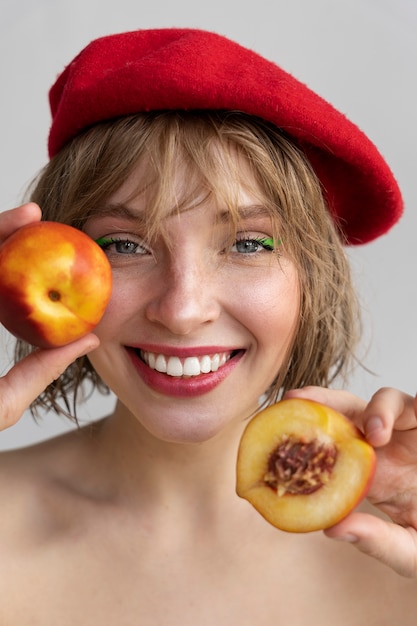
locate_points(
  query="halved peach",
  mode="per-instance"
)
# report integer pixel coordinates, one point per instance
(303, 466)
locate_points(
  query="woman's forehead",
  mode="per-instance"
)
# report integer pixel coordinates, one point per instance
(136, 211)
(185, 186)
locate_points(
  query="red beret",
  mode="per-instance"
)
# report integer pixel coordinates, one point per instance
(188, 69)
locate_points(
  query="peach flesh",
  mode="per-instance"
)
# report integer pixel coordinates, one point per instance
(303, 466)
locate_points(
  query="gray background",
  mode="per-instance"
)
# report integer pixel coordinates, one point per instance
(359, 54)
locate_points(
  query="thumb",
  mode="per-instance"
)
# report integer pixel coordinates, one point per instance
(30, 376)
(393, 545)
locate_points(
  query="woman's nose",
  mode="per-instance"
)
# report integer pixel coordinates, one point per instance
(184, 299)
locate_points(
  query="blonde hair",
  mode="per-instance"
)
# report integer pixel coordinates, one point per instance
(76, 183)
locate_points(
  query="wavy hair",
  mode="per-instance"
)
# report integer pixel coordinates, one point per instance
(84, 174)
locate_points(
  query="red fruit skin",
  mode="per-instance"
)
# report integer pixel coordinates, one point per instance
(55, 284)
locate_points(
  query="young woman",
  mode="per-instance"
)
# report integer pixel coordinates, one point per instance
(223, 192)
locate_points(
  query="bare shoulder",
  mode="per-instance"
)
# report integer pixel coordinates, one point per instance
(32, 479)
(359, 587)
(332, 583)
(43, 510)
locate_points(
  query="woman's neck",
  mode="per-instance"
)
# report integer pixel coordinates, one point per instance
(144, 469)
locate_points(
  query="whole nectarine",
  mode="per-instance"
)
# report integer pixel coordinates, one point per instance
(303, 466)
(55, 284)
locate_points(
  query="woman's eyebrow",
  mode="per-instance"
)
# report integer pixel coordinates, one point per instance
(118, 209)
(245, 212)
(124, 211)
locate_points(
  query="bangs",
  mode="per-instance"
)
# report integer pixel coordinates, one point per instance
(176, 161)
(190, 161)
(181, 160)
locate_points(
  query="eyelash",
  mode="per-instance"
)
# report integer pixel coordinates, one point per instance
(106, 242)
(267, 243)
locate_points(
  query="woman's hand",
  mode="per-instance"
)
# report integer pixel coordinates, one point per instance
(26, 380)
(389, 422)
(16, 218)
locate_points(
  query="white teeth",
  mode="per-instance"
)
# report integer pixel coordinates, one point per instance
(174, 366)
(161, 364)
(190, 366)
(205, 364)
(215, 363)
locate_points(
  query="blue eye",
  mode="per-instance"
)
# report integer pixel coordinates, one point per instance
(120, 246)
(254, 245)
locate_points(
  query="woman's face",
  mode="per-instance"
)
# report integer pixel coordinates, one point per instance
(196, 329)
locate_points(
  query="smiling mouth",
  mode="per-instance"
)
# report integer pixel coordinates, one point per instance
(188, 366)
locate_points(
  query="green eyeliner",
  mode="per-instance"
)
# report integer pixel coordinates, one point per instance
(269, 242)
(102, 241)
